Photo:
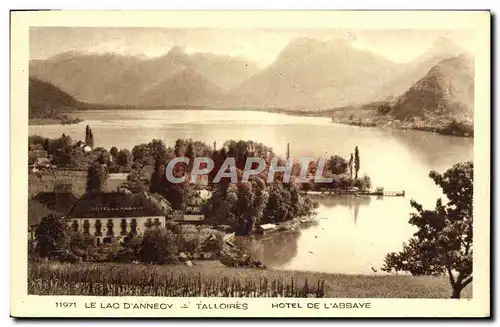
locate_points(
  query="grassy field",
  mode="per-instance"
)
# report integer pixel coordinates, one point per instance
(214, 279)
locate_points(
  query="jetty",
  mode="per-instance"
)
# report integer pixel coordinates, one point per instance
(379, 191)
(384, 193)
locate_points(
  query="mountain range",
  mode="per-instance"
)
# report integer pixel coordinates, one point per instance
(308, 75)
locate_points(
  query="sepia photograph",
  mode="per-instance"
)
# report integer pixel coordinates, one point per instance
(301, 162)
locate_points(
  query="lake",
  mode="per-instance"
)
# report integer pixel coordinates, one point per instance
(352, 235)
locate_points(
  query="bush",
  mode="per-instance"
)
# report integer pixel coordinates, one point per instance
(158, 246)
(211, 240)
(78, 241)
(233, 257)
(188, 238)
(363, 183)
(129, 251)
(174, 227)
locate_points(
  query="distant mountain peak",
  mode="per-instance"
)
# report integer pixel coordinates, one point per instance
(307, 45)
(66, 55)
(442, 47)
(447, 88)
(176, 51)
(444, 42)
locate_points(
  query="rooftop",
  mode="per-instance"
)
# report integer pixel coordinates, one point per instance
(114, 205)
(36, 211)
(58, 201)
(268, 226)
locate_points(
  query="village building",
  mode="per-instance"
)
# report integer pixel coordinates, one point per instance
(86, 148)
(111, 217)
(196, 200)
(267, 228)
(183, 217)
(59, 202)
(40, 164)
(160, 202)
(34, 155)
(193, 213)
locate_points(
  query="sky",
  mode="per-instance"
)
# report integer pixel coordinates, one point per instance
(259, 45)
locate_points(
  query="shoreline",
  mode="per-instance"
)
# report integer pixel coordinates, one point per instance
(328, 113)
(387, 126)
(53, 121)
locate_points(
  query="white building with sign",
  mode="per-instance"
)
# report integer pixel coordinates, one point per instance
(110, 217)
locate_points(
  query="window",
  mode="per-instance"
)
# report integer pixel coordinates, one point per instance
(86, 227)
(148, 223)
(74, 226)
(123, 226)
(157, 222)
(98, 227)
(98, 240)
(133, 226)
(109, 225)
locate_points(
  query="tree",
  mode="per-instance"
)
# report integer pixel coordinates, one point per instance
(351, 162)
(190, 151)
(176, 193)
(337, 165)
(52, 235)
(97, 176)
(91, 139)
(89, 136)
(158, 246)
(364, 183)
(179, 147)
(157, 177)
(46, 145)
(278, 207)
(87, 131)
(157, 149)
(356, 162)
(190, 155)
(443, 242)
(67, 156)
(123, 158)
(104, 157)
(113, 151)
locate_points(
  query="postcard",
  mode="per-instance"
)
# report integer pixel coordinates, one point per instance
(250, 164)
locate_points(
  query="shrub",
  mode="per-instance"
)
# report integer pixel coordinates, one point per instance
(211, 240)
(129, 250)
(188, 238)
(174, 227)
(158, 246)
